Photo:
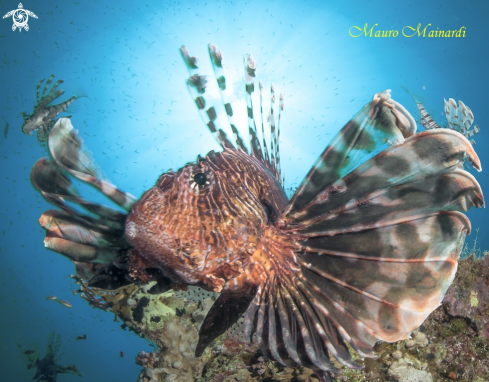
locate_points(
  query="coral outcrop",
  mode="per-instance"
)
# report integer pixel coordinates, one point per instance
(451, 345)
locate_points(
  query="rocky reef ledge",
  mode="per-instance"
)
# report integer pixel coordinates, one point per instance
(451, 345)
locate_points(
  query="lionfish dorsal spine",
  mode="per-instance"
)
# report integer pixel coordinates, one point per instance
(216, 61)
(277, 142)
(196, 85)
(38, 86)
(275, 131)
(426, 119)
(47, 84)
(249, 68)
(265, 148)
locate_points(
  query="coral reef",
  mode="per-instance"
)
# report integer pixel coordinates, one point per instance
(451, 345)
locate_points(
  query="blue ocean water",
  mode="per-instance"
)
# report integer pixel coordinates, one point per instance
(138, 119)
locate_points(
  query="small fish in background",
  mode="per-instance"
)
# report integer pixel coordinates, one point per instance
(122, 354)
(47, 368)
(84, 337)
(65, 303)
(43, 119)
(459, 118)
(54, 298)
(72, 368)
(5, 130)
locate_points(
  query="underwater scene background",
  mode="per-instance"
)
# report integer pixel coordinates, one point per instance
(133, 111)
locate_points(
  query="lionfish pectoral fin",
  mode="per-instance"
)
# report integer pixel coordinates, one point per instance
(380, 244)
(292, 327)
(224, 313)
(55, 110)
(323, 376)
(68, 151)
(90, 240)
(381, 235)
(379, 124)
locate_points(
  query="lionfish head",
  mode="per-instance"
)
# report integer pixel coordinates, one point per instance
(206, 213)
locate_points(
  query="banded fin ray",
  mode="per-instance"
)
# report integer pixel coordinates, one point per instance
(68, 152)
(460, 118)
(249, 69)
(424, 155)
(379, 123)
(378, 249)
(216, 61)
(197, 84)
(286, 322)
(37, 89)
(49, 178)
(96, 238)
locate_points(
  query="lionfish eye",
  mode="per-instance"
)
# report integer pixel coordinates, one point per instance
(200, 178)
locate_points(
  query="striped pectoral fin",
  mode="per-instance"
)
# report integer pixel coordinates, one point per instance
(291, 327)
(75, 228)
(456, 191)
(81, 252)
(387, 279)
(426, 155)
(82, 238)
(51, 180)
(380, 123)
(224, 313)
(68, 152)
(55, 110)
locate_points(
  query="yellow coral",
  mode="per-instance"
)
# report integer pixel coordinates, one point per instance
(474, 302)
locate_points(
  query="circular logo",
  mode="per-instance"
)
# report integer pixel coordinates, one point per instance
(20, 18)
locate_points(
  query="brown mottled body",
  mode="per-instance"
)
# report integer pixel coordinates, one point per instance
(208, 234)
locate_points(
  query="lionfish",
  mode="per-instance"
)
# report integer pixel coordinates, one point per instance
(46, 368)
(363, 251)
(43, 118)
(459, 119)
